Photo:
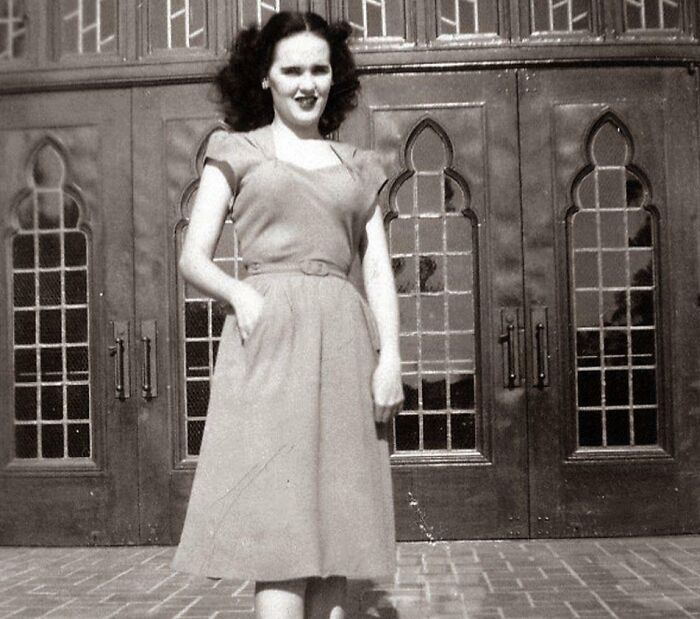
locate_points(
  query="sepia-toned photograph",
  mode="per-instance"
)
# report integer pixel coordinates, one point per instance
(350, 309)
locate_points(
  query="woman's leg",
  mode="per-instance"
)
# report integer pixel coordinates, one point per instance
(282, 599)
(325, 598)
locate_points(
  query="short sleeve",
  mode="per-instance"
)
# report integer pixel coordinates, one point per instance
(233, 154)
(375, 172)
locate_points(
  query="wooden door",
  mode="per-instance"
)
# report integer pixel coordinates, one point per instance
(452, 211)
(68, 462)
(171, 128)
(610, 185)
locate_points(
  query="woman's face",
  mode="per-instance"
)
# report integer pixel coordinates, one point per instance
(300, 79)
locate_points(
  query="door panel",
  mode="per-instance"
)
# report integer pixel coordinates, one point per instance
(171, 126)
(609, 178)
(68, 439)
(453, 223)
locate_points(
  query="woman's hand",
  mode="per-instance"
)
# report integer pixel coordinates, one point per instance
(387, 389)
(247, 303)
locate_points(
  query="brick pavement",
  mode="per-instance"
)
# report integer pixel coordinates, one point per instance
(641, 578)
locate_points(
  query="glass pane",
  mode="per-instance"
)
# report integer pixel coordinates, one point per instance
(50, 288)
(23, 290)
(50, 326)
(430, 232)
(50, 209)
(407, 432)
(75, 248)
(560, 15)
(434, 432)
(463, 431)
(467, 17)
(432, 312)
(431, 274)
(197, 398)
(590, 428)
(462, 392)
(375, 18)
(410, 393)
(76, 287)
(195, 432)
(652, 14)
(25, 327)
(645, 431)
(78, 440)
(52, 441)
(25, 441)
(404, 274)
(25, 403)
(51, 364)
(434, 393)
(178, 24)
(12, 29)
(23, 251)
(402, 235)
(78, 401)
(617, 427)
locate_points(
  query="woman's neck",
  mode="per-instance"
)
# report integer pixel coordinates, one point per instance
(286, 133)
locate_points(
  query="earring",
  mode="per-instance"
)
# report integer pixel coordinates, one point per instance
(265, 84)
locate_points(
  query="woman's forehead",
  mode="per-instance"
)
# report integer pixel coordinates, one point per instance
(302, 47)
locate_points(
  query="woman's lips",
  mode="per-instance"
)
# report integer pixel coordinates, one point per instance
(306, 103)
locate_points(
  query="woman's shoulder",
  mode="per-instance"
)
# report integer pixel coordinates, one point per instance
(227, 138)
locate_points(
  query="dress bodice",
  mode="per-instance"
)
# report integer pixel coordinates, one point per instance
(284, 212)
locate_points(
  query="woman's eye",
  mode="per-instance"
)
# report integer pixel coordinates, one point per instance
(324, 70)
(291, 71)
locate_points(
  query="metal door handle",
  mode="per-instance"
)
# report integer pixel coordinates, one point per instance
(149, 381)
(146, 367)
(119, 350)
(541, 348)
(539, 339)
(510, 353)
(509, 336)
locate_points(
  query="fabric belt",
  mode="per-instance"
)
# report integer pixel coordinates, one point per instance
(309, 267)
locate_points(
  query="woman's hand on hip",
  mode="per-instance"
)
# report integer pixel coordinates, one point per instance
(248, 304)
(387, 389)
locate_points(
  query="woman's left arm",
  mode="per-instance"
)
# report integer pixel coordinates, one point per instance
(378, 276)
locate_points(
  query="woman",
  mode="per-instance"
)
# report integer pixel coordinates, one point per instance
(293, 487)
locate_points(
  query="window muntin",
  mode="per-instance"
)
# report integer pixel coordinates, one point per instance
(652, 15)
(559, 16)
(179, 24)
(50, 311)
(466, 17)
(614, 296)
(376, 19)
(433, 249)
(13, 30)
(259, 11)
(89, 26)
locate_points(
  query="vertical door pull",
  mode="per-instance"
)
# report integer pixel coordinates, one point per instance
(540, 346)
(149, 379)
(120, 351)
(510, 336)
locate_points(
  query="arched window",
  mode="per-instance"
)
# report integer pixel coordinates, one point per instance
(433, 245)
(613, 245)
(50, 314)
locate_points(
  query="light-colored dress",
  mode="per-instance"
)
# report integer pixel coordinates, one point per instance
(293, 478)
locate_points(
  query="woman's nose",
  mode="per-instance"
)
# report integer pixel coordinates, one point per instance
(306, 82)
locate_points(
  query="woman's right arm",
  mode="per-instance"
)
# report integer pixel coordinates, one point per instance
(196, 259)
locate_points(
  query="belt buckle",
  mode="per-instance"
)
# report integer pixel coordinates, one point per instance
(314, 267)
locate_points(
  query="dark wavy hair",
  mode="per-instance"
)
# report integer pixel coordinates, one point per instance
(247, 106)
